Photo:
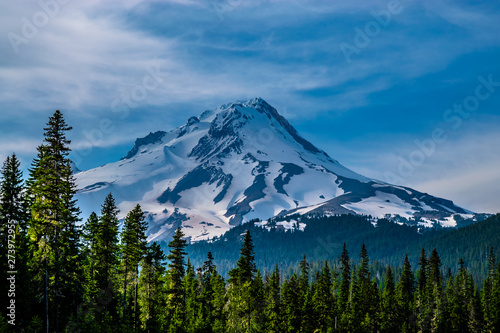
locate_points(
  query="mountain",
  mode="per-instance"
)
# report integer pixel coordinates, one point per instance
(240, 162)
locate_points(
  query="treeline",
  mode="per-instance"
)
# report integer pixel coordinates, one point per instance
(102, 278)
(323, 238)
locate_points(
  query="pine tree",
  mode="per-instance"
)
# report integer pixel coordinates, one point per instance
(194, 311)
(434, 290)
(245, 267)
(176, 290)
(304, 275)
(291, 305)
(218, 304)
(489, 304)
(14, 254)
(458, 298)
(52, 230)
(151, 288)
(421, 298)
(242, 299)
(323, 301)
(344, 288)
(133, 248)
(273, 302)
(257, 305)
(404, 294)
(101, 238)
(365, 297)
(390, 308)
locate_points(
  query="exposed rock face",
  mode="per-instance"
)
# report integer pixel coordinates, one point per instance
(238, 162)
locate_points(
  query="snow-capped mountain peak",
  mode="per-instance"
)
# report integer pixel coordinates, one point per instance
(240, 161)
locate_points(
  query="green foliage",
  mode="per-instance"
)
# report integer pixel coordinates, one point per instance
(133, 248)
(53, 234)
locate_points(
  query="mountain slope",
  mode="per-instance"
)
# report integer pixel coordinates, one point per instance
(239, 162)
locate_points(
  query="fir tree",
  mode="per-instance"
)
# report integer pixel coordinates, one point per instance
(344, 288)
(434, 290)
(53, 233)
(291, 305)
(390, 309)
(365, 298)
(273, 302)
(323, 301)
(218, 317)
(133, 248)
(421, 299)
(245, 267)
(404, 293)
(101, 234)
(242, 296)
(14, 251)
(194, 311)
(151, 288)
(176, 288)
(489, 304)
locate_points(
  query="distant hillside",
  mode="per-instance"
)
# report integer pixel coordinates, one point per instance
(282, 243)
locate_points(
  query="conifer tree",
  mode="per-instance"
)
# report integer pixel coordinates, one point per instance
(218, 304)
(257, 305)
(304, 275)
(324, 303)
(206, 293)
(390, 309)
(133, 248)
(101, 234)
(495, 301)
(434, 290)
(291, 305)
(365, 297)
(345, 280)
(242, 297)
(404, 294)
(245, 267)
(273, 302)
(194, 321)
(344, 288)
(458, 297)
(176, 290)
(52, 230)
(14, 254)
(151, 288)
(421, 298)
(489, 304)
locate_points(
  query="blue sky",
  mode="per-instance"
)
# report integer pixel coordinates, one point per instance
(373, 83)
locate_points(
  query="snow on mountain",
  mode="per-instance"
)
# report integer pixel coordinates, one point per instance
(238, 162)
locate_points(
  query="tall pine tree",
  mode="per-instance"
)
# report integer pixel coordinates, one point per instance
(53, 233)
(176, 299)
(133, 248)
(13, 235)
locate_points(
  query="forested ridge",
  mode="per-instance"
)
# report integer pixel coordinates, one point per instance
(100, 277)
(323, 237)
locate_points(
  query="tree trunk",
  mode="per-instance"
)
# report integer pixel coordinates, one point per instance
(46, 297)
(125, 295)
(135, 301)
